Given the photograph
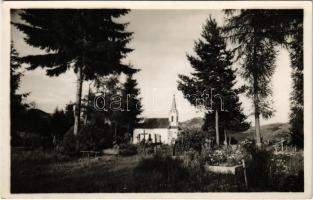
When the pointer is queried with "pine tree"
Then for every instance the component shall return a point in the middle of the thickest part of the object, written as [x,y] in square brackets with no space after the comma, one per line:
[296,54]
[283,28]
[245,28]
[213,70]
[17,105]
[89,40]
[132,103]
[60,123]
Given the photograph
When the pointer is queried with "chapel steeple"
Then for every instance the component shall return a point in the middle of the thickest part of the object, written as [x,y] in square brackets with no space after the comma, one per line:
[173,116]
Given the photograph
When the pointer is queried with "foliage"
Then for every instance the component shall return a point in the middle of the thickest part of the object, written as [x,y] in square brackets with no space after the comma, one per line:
[131,104]
[61,122]
[287,172]
[214,78]
[121,105]
[69,143]
[161,174]
[91,137]
[98,45]
[228,156]
[127,149]
[17,100]
[296,54]
[296,121]
[258,168]
[190,139]
[246,29]
[88,40]
[281,27]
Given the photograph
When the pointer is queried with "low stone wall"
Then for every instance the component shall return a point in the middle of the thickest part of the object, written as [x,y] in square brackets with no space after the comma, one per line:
[224,169]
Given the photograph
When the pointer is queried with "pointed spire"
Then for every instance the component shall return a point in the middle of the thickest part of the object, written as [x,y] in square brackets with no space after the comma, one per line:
[173,103]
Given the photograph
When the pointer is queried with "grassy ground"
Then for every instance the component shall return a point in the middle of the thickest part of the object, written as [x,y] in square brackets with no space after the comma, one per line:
[39,172]
[50,174]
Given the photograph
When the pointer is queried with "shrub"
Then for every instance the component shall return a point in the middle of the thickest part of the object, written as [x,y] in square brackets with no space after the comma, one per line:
[127,149]
[69,143]
[190,139]
[161,174]
[90,138]
[258,168]
[228,155]
[287,172]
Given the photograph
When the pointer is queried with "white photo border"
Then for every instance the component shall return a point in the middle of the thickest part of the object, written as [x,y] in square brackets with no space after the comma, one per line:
[5,103]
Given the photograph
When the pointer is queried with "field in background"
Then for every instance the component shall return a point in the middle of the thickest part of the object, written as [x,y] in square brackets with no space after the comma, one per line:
[272,132]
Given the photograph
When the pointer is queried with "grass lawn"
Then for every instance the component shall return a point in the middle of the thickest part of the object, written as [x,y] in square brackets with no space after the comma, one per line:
[39,172]
[47,174]
[42,172]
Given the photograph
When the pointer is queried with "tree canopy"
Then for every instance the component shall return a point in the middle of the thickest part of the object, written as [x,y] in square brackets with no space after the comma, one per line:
[91,41]
[213,71]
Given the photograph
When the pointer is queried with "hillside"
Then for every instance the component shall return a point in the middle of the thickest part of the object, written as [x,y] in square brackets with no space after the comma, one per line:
[276,131]
[194,123]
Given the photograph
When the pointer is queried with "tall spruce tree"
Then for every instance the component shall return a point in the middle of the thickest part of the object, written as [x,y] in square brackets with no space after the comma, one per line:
[296,54]
[213,71]
[90,41]
[17,105]
[132,103]
[283,28]
[245,28]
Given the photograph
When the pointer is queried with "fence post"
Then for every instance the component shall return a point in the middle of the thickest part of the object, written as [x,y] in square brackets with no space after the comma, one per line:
[245,172]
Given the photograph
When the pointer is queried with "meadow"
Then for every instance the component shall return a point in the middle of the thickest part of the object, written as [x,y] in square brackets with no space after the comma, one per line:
[48,172]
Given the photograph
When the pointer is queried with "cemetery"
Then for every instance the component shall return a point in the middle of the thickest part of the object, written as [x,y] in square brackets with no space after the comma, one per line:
[107,138]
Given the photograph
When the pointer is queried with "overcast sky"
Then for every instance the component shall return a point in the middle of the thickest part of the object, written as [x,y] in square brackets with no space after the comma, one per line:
[161,40]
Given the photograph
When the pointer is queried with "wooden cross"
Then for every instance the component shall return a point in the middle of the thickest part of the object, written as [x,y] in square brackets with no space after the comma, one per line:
[144,135]
[138,138]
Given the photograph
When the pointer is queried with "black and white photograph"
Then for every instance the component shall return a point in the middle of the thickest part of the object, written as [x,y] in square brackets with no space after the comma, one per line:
[126,99]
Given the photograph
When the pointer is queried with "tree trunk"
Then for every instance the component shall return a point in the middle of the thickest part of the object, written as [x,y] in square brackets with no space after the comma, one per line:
[225,137]
[216,129]
[88,101]
[257,115]
[78,100]
[257,130]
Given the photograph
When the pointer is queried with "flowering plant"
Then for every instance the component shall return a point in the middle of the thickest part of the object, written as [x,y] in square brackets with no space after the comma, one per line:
[229,156]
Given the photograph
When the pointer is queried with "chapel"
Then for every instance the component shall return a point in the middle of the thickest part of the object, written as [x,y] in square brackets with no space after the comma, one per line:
[158,130]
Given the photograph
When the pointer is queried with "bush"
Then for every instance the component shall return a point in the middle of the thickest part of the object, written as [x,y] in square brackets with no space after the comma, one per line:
[70,143]
[90,138]
[161,174]
[287,172]
[228,156]
[258,168]
[190,139]
[127,150]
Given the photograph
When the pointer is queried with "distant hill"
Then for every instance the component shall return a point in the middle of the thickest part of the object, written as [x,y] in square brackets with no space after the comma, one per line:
[276,131]
[194,123]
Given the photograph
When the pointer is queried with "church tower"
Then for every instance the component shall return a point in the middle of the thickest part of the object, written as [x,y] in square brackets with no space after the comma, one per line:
[173,117]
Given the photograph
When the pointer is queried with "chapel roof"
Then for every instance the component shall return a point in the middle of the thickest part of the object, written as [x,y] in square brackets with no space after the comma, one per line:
[154,123]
